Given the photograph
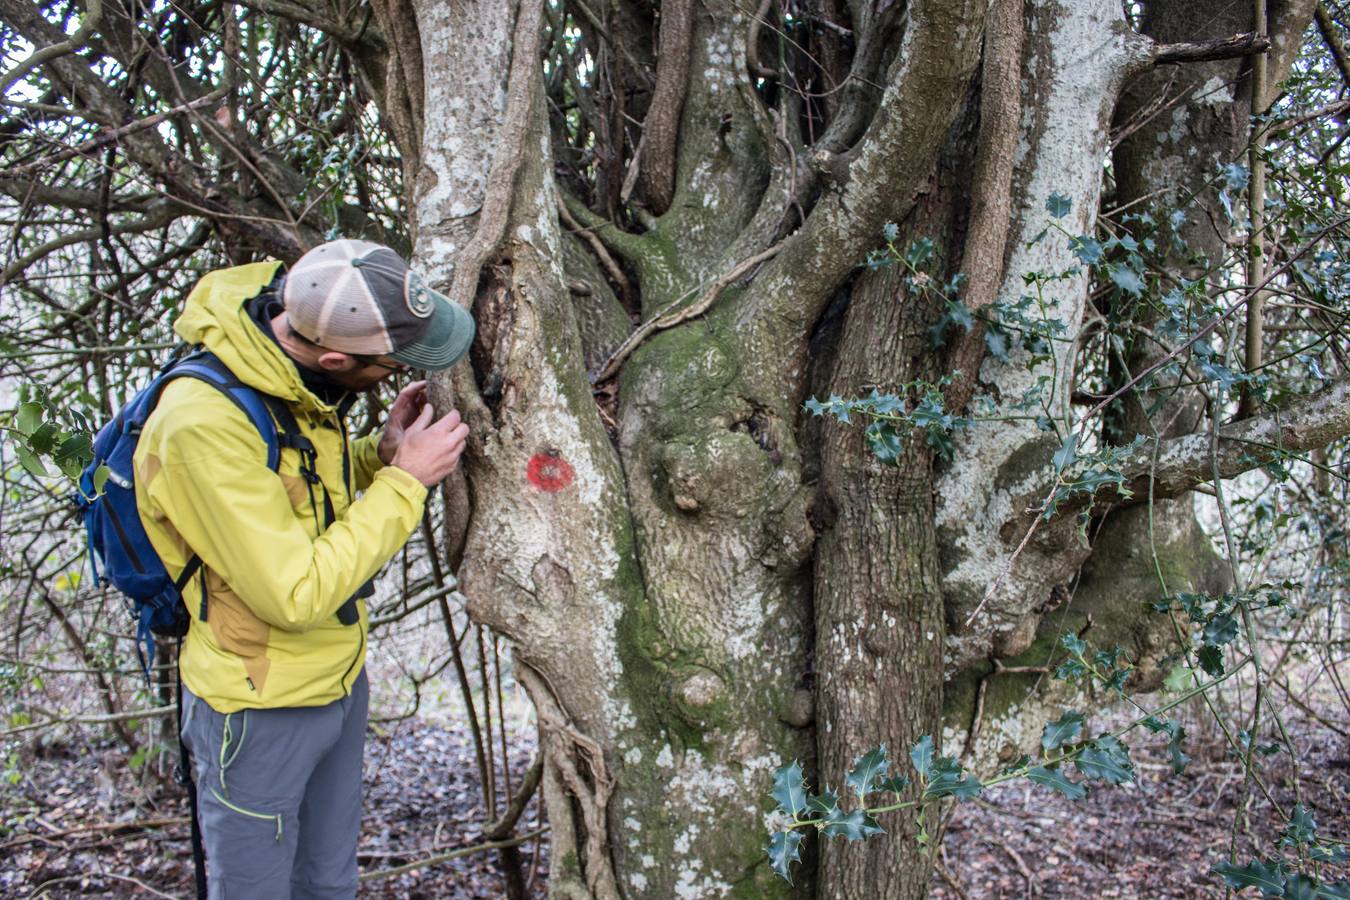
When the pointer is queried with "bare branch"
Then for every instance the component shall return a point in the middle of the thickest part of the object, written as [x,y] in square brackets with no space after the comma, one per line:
[1246,44]
[92,18]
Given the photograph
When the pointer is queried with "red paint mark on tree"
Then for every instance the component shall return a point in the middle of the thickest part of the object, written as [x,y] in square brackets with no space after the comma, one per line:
[548,471]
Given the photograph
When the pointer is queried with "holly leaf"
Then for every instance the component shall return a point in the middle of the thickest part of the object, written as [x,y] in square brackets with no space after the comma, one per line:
[856,826]
[785,849]
[1057,781]
[1067,454]
[1177,733]
[1058,205]
[826,802]
[1220,630]
[1268,879]
[884,443]
[1210,658]
[895,784]
[997,343]
[1127,280]
[1302,827]
[949,780]
[789,788]
[1298,887]
[1106,759]
[867,771]
[28,417]
[1063,731]
[30,461]
[921,754]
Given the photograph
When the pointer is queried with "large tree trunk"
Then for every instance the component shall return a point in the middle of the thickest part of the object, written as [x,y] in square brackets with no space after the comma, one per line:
[652,560]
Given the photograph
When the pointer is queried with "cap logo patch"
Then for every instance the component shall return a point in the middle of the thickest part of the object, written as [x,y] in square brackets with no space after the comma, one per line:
[419,298]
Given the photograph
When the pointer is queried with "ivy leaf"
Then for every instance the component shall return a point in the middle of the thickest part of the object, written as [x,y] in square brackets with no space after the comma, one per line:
[1057,781]
[921,754]
[1266,878]
[1107,759]
[1067,454]
[1302,827]
[785,849]
[789,788]
[1063,731]
[867,771]
[826,802]
[1058,205]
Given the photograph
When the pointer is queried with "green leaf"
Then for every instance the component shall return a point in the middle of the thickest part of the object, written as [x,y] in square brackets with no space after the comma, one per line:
[1127,280]
[921,754]
[896,784]
[1067,454]
[1106,759]
[868,769]
[1221,630]
[43,438]
[856,826]
[29,460]
[1302,827]
[826,802]
[1266,878]
[1178,679]
[886,445]
[785,849]
[1057,781]
[28,417]
[789,788]
[101,478]
[1177,733]
[1063,731]
[1210,658]
[1058,205]
[1298,887]
[949,780]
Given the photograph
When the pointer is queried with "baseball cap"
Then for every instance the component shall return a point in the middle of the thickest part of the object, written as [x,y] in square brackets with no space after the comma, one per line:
[360,297]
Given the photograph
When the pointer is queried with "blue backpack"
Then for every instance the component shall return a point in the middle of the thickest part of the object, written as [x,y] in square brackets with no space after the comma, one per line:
[117,540]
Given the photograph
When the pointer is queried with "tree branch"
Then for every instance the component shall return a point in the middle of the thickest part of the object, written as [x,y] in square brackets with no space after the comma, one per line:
[991,191]
[1245,44]
[1184,463]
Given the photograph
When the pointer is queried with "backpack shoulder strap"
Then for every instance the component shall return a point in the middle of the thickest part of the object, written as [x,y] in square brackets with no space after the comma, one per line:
[206,366]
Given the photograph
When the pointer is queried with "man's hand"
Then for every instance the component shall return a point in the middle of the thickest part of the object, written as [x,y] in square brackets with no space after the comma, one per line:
[407,405]
[429,451]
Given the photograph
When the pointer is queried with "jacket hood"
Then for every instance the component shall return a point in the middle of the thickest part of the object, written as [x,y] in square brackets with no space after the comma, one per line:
[214,317]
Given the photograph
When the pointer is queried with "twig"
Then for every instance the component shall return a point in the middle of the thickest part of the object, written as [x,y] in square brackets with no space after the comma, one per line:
[138,825]
[91,720]
[453,854]
[668,319]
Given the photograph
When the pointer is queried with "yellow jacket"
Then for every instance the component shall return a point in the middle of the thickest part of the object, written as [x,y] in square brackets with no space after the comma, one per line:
[274,577]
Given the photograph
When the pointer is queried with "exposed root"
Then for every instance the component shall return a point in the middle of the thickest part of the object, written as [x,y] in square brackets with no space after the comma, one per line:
[565,747]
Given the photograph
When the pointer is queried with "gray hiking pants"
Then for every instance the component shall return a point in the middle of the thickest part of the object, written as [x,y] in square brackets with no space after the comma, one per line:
[279,796]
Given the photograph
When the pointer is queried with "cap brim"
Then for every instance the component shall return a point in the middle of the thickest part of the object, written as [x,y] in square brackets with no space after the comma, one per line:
[446,339]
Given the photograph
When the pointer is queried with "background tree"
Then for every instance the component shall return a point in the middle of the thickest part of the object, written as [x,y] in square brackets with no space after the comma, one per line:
[662,218]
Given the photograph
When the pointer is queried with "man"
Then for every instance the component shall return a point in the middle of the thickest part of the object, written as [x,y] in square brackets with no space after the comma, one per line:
[275,692]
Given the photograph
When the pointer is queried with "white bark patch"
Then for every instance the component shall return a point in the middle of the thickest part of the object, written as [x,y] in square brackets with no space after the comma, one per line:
[1085,49]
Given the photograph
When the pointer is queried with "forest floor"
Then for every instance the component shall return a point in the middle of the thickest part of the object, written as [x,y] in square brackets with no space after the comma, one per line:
[1154,839]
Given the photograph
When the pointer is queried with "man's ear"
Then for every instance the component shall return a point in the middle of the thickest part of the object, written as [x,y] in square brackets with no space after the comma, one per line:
[333,361]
